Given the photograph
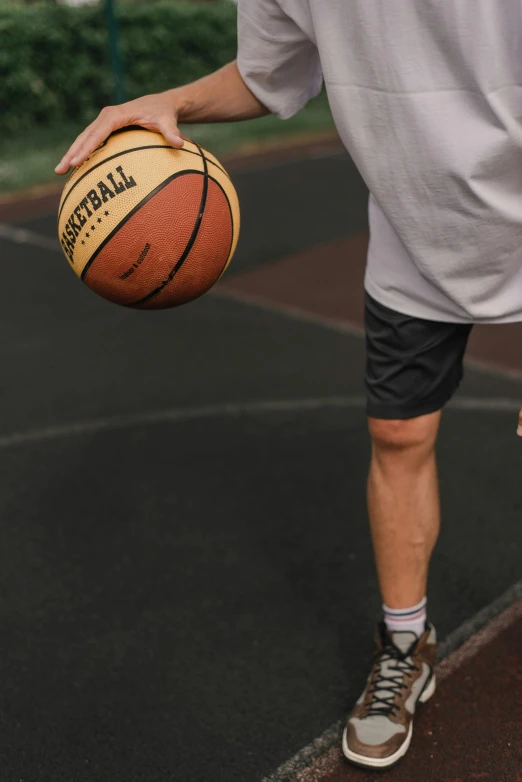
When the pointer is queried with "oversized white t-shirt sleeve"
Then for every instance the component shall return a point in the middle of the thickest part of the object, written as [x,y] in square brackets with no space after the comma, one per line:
[276,59]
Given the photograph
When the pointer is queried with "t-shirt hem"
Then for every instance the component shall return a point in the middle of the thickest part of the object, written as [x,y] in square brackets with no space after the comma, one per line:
[408,306]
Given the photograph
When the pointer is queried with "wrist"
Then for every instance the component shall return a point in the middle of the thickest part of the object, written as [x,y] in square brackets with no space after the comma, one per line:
[180,103]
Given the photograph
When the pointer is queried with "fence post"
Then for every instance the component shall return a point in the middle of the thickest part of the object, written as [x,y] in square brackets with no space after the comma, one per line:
[115,51]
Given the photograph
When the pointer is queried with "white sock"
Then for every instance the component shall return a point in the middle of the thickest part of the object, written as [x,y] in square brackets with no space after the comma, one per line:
[412,619]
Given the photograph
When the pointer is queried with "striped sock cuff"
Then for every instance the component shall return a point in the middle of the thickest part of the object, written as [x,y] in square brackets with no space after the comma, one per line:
[403,616]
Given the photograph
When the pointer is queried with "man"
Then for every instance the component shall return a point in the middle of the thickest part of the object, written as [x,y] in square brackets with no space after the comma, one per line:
[427,97]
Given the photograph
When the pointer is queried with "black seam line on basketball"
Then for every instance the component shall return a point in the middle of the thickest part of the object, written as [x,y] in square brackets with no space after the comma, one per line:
[140,127]
[128,152]
[191,152]
[231,240]
[190,242]
[128,127]
[134,304]
[132,212]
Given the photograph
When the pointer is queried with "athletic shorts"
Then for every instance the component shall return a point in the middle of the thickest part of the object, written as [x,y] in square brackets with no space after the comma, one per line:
[413,366]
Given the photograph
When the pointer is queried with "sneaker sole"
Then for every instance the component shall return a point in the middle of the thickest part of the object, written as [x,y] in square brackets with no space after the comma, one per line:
[366,762]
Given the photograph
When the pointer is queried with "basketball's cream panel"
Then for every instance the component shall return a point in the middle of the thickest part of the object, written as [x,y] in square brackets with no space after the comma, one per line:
[117,144]
[231,194]
[95,202]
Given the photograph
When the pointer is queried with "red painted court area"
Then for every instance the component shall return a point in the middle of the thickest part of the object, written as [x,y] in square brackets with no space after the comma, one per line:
[470,729]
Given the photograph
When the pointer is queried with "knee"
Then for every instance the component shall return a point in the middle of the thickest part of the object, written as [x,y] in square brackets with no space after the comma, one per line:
[411,434]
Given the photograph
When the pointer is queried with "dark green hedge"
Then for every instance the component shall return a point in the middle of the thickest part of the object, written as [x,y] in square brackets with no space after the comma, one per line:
[55,63]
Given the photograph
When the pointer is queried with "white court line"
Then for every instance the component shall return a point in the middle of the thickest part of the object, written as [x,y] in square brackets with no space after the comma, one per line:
[322,756]
[174,414]
[22,236]
[484,405]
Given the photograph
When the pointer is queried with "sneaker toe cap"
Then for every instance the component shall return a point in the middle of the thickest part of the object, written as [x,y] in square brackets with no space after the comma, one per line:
[374,737]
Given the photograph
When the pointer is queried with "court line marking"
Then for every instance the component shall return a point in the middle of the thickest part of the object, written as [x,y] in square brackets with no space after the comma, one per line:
[322,756]
[227,410]
[24,236]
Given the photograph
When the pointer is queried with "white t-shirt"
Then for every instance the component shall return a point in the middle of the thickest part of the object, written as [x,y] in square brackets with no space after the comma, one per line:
[427,98]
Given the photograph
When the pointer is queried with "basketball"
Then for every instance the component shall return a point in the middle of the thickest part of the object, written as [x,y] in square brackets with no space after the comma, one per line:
[146,225]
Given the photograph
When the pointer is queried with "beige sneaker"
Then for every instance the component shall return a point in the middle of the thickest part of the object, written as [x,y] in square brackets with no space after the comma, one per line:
[378,731]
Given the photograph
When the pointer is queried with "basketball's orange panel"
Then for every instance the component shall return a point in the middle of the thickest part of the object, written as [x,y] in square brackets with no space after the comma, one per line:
[141,255]
[207,257]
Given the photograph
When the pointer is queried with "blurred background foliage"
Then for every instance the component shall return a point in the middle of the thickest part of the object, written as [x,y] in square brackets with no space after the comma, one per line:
[57,63]
[56,73]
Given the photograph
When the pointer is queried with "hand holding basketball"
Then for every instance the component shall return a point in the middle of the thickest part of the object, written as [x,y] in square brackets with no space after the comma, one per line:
[145,224]
[153,112]
[147,218]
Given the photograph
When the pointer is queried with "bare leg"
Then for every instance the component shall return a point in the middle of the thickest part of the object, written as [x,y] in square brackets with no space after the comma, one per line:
[403,505]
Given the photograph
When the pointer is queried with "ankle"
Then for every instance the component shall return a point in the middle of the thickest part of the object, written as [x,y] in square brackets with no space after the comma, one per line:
[410,618]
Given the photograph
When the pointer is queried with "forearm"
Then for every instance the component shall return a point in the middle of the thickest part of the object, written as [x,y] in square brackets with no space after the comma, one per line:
[221,96]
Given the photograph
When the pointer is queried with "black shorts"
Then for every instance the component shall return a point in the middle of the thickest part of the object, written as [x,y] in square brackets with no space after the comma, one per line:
[413,366]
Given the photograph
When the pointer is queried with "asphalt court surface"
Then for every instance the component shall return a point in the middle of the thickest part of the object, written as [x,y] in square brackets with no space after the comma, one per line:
[194,597]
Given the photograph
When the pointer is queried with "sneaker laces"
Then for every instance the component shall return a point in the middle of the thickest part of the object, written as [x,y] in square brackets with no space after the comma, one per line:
[393,666]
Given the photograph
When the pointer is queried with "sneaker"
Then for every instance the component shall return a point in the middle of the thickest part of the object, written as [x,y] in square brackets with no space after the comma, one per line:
[378,731]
